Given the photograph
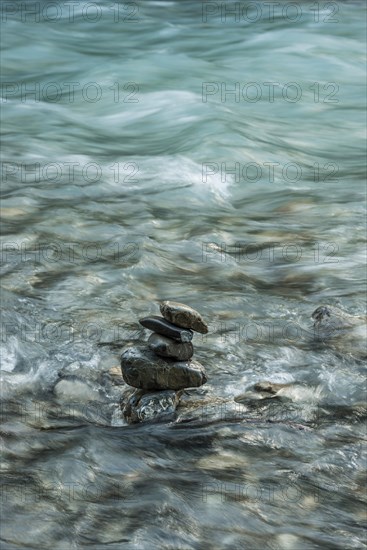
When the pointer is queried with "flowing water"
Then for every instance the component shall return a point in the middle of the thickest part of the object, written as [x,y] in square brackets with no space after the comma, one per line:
[210,153]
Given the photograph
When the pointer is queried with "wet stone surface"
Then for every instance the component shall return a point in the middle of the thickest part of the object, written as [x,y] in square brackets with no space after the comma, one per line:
[166,347]
[158,406]
[141,368]
[183,316]
[164,327]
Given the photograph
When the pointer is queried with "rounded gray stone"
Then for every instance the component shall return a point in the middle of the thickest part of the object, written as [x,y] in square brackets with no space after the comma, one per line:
[141,368]
[183,316]
[166,347]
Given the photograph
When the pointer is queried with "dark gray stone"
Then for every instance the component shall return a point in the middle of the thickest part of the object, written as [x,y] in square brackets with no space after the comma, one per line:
[166,347]
[183,316]
[141,368]
[164,327]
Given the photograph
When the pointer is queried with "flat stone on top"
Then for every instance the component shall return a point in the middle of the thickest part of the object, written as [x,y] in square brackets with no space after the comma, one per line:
[183,316]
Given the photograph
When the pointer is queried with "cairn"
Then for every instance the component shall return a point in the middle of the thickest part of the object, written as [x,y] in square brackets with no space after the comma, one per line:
[162,369]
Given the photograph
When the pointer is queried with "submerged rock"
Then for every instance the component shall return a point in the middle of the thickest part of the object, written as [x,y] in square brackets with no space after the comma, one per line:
[330,321]
[166,347]
[183,316]
[271,387]
[145,406]
[340,330]
[164,327]
[141,368]
[115,376]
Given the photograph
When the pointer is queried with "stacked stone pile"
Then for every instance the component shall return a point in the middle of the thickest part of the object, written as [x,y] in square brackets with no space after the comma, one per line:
[166,362]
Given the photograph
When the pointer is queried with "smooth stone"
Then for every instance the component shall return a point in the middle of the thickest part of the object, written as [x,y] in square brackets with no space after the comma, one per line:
[162,326]
[166,347]
[141,368]
[183,316]
[143,406]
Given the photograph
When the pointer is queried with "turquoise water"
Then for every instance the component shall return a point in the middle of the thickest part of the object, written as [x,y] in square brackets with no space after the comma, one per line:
[181,150]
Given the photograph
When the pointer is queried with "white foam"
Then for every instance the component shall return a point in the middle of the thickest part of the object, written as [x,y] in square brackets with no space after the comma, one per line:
[76,390]
[9,356]
[184,171]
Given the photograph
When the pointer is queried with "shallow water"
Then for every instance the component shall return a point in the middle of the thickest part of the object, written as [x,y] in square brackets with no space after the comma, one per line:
[132,174]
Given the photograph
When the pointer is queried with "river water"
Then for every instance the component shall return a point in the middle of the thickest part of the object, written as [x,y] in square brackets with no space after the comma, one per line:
[210,153]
